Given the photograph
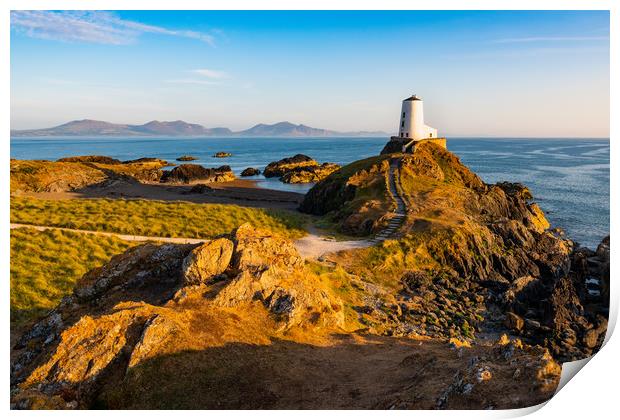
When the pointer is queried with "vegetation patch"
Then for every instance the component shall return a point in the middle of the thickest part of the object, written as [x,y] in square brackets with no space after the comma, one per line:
[46,265]
[152,218]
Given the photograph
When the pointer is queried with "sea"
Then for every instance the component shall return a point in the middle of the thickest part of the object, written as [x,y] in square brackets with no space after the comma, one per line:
[569,178]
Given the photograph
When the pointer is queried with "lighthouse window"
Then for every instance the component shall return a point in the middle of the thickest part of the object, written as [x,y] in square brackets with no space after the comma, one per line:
[403,115]
[406,134]
[431,134]
[402,123]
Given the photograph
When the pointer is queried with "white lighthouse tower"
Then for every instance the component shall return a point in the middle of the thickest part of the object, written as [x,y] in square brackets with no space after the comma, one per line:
[411,125]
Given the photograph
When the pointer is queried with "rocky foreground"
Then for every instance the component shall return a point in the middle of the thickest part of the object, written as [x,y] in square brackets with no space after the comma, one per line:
[472,305]
[243,322]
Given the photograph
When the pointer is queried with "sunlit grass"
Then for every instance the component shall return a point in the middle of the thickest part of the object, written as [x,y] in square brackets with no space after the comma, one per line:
[46,265]
[152,218]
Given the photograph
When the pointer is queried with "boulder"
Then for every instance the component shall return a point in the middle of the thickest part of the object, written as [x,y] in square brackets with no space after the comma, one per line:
[260,249]
[280,167]
[222,155]
[199,189]
[307,174]
[250,172]
[207,260]
[147,160]
[186,158]
[299,169]
[189,173]
[514,321]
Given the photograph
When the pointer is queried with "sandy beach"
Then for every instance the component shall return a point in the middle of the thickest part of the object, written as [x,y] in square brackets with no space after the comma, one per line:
[241,192]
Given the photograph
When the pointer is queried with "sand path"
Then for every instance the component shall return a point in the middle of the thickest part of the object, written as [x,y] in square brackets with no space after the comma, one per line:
[133,238]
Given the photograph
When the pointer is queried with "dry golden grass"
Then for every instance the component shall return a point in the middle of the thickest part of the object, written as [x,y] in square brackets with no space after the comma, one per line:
[152,218]
[46,265]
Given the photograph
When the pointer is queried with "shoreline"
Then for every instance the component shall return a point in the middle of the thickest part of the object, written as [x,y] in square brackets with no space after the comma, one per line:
[241,192]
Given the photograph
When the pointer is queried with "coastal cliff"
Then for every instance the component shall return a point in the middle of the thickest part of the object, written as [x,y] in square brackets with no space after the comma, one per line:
[490,240]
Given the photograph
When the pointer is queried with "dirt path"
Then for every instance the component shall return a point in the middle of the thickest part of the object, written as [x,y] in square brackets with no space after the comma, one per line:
[314,245]
[133,238]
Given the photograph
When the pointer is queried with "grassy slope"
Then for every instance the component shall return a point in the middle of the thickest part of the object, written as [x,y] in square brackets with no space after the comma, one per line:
[152,218]
[38,175]
[46,265]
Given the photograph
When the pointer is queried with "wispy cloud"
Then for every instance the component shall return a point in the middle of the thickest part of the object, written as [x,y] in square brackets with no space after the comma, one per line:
[211,74]
[91,26]
[193,82]
[550,39]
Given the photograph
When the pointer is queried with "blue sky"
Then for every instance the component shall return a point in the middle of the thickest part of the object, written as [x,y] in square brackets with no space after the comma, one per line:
[510,73]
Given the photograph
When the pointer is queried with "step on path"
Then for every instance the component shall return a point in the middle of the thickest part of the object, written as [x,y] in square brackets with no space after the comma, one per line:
[401,209]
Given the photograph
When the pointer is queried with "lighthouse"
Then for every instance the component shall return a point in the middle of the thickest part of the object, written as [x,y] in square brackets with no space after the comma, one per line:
[411,125]
[411,129]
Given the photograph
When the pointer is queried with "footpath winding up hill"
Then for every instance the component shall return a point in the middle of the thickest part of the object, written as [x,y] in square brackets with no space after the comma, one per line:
[420,320]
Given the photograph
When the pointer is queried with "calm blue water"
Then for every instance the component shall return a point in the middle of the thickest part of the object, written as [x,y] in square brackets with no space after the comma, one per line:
[569,178]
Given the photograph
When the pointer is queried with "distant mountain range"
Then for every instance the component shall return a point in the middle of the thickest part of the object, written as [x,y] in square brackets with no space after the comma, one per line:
[182,128]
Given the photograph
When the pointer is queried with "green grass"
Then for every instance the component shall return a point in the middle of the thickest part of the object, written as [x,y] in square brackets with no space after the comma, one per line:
[153,218]
[46,265]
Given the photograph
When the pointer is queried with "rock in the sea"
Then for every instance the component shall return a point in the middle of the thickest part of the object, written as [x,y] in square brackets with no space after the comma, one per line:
[189,173]
[280,167]
[306,174]
[91,159]
[147,160]
[207,260]
[299,169]
[186,158]
[222,155]
[250,172]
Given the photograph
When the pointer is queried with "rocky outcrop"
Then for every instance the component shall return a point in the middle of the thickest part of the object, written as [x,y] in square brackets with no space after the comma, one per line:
[494,246]
[356,197]
[190,173]
[206,261]
[307,174]
[148,160]
[299,169]
[186,158]
[250,172]
[155,297]
[280,167]
[91,159]
[72,174]
[222,155]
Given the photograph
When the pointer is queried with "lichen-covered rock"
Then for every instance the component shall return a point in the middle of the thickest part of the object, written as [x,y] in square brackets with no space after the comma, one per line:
[299,169]
[258,249]
[307,174]
[280,167]
[207,260]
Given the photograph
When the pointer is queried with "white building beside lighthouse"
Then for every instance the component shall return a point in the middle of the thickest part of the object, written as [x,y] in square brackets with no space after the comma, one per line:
[411,124]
